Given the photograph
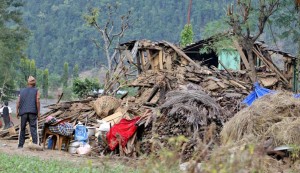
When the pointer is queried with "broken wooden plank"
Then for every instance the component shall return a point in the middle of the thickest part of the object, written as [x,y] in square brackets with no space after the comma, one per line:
[160,60]
[169,62]
[150,59]
[153,93]
[226,69]
[243,57]
[181,53]
[271,66]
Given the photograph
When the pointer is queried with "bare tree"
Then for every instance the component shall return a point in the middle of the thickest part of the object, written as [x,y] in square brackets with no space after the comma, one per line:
[111,29]
[239,20]
[105,21]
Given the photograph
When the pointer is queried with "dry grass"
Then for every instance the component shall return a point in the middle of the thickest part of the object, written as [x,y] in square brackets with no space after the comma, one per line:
[197,106]
[275,116]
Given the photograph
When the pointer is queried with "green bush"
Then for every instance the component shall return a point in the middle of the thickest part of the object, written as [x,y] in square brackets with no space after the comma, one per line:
[83,88]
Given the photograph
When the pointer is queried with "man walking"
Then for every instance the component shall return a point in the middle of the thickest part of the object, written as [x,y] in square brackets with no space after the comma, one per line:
[28,108]
[6,114]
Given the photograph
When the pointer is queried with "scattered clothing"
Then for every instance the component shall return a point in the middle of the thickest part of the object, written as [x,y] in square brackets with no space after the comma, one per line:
[65,129]
[125,129]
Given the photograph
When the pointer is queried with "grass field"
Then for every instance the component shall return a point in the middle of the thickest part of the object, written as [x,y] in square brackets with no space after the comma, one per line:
[23,164]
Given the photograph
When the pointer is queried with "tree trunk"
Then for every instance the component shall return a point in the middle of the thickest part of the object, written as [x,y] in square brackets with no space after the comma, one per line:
[252,65]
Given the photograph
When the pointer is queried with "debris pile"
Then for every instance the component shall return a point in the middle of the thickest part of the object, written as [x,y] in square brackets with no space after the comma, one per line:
[227,90]
[83,111]
[188,101]
[186,113]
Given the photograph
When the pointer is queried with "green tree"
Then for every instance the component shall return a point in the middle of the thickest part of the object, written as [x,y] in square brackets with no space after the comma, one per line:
[45,83]
[12,42]
[54,81]
[187,35]
[65,76]
[26,67]
[247,21]
[32,68]
[76,71]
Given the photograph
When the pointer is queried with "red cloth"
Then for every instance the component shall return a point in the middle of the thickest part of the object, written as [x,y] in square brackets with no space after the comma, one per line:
[125,129]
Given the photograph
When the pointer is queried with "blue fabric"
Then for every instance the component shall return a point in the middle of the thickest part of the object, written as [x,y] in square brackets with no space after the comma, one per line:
[257,93]
[81,133]
[297,96]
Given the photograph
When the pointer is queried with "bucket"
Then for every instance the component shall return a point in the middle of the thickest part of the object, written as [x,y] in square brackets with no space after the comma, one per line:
[91,131]
[50,143]
[73,146]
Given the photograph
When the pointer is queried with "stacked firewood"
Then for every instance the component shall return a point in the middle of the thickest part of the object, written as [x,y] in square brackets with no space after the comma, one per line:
[76,110]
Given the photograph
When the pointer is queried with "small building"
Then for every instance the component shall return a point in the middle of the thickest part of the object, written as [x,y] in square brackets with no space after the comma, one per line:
[274,67]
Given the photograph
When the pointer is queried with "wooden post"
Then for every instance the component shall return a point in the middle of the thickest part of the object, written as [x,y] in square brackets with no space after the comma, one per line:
[160,60]
[243,56]
[271,66]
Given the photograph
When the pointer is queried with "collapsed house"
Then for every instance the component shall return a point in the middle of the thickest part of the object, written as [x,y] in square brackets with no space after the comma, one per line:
[275,69]
[164,68]
[179,93]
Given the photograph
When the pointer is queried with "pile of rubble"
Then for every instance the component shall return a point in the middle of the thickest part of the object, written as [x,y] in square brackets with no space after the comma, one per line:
[76,110]
[188,101]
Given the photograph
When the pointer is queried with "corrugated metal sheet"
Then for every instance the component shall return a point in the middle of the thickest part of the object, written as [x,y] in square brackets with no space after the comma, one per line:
[230,58]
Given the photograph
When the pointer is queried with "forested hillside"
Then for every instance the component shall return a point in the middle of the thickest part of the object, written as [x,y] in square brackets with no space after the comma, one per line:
[59,32]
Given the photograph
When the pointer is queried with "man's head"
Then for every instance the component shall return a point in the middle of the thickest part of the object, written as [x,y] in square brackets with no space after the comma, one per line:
[6,103]
[31,81]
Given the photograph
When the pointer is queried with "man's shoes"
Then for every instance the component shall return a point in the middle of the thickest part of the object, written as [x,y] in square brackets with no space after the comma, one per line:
[20,147]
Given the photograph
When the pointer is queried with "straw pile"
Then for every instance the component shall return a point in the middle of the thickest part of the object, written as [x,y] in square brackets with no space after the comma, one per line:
[275,117]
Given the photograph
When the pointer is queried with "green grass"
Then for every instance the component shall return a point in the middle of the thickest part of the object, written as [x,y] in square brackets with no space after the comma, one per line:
[25,164]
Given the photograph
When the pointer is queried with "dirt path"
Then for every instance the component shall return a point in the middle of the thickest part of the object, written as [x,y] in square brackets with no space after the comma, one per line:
[10,147]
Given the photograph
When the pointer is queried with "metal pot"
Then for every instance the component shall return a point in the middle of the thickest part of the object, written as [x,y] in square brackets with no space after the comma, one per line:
[73,147]
[91,131]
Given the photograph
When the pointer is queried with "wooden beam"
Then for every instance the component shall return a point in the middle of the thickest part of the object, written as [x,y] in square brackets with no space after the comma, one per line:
[138,61]
[153,93]
[150,59]
[243,56]
[160,60]
[143,61]
[181,53]
[226,69]
[271,66]
[169,62]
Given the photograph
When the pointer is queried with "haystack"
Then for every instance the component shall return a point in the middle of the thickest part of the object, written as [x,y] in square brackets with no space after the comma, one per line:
[106,105]
[275,116]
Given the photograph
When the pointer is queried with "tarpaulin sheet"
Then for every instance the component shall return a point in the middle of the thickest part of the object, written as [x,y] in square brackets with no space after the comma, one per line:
[125,129]
[257,93]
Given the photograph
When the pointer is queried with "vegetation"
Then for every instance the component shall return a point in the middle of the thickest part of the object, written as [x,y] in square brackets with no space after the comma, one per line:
[45,83]
[65,76]
[84,87]
[60,33]
[12,41]
[187,35]
[76,71]
[32,164]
